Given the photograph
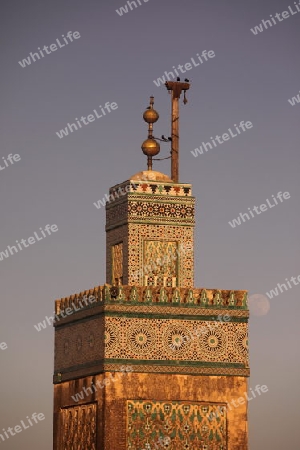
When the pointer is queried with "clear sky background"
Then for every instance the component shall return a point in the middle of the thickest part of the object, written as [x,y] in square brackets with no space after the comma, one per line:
[57,180]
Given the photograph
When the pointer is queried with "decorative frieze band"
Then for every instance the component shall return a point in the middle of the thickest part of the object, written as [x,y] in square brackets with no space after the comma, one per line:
[151,187]
[150,295]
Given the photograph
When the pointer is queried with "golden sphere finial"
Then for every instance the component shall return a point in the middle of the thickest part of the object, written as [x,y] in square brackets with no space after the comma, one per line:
[150,116]
[150,147]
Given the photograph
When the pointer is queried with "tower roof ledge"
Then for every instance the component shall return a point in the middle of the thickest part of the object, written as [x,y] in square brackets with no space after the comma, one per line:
[151,175]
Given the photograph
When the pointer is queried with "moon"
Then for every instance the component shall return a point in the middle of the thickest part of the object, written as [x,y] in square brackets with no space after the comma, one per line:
[259,304]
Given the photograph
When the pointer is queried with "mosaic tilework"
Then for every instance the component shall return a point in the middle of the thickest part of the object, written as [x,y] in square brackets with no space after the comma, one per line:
[134,235]
[166,189]
[160,263]
[154,327]
[116,214]
[158,210]
[175,340]
[78,425]
[153,342]
[177,425]
[150,209]
[152,187]
[117,260]
[114,237]
[218,370]
[139,233]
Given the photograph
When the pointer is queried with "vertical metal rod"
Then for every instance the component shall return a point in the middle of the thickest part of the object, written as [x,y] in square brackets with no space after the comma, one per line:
[175,87]
[175,139]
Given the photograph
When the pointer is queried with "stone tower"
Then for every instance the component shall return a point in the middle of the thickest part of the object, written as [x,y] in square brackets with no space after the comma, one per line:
[148,361]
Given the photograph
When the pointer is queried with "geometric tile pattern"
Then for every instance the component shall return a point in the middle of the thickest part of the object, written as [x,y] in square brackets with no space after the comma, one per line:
[150,209]
[175,340]
[158,208]
[159,344]
[160,263]
[139,233]
[176,425]
[78,426]
[153,187]
[117,260]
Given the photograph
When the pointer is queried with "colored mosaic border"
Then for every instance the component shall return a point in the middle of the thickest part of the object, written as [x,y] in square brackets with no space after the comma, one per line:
[150,209]
[152,187]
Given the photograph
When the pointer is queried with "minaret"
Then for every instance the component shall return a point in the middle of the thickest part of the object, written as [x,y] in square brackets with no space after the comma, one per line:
[147,360]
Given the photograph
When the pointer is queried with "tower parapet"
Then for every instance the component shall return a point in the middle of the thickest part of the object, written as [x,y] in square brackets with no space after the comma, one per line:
[133,295]
[191,331]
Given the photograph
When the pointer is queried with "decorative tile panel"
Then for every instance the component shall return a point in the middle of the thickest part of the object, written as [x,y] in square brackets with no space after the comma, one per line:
[160,263]
[176,425]
[117,261]
[139,233]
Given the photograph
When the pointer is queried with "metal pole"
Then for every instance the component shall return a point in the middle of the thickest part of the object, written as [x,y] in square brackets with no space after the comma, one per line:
[176,87]
[175,139]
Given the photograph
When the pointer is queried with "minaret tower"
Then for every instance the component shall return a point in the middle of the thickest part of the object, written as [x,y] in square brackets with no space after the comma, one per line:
[148,361]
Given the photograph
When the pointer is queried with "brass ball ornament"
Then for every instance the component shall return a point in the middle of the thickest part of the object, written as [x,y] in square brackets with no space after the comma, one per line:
[150,116]
[150,147]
